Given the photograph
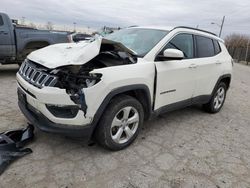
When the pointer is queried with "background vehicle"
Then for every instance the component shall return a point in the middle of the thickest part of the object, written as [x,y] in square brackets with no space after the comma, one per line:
[76,37]
[108,87]
[17,42]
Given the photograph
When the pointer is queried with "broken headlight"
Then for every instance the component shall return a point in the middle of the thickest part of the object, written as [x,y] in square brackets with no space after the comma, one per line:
[75,81]
[94,79]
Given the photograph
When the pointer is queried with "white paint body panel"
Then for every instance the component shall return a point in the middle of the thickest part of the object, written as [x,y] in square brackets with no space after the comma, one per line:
[175,82]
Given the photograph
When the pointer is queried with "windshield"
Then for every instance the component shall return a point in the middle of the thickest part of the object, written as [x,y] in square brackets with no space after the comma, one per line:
[139,40]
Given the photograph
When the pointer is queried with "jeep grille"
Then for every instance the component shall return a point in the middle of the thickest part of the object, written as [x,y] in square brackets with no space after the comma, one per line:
[36,74]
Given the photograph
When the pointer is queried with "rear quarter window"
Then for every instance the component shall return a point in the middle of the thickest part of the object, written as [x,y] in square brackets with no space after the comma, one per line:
[204,46]
[1,20]
[217,48]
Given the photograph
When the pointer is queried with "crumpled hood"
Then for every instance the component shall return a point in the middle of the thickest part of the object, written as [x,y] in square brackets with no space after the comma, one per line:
[72,53]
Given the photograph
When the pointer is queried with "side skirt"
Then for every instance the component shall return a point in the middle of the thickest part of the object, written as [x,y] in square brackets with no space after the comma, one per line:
[203,99]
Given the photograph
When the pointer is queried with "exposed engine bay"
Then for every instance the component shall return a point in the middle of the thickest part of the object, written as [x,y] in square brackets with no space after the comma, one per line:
[73,78]
[78,76]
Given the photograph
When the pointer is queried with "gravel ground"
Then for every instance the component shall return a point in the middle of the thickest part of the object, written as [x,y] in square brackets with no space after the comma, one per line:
[185,148]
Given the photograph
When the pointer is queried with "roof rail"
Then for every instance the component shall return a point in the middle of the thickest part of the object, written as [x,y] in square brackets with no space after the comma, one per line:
[133,26]
[185,27]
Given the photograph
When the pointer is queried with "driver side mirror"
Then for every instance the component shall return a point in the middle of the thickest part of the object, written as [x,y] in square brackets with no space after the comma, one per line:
[173,54]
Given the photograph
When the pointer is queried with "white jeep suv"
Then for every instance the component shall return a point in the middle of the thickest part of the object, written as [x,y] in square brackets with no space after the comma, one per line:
[105,88]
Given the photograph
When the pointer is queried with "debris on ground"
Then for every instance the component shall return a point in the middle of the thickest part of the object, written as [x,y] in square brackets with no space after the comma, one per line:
[11,145]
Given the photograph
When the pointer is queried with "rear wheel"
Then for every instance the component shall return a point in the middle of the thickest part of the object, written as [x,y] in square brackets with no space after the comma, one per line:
[217,100]
[120,123]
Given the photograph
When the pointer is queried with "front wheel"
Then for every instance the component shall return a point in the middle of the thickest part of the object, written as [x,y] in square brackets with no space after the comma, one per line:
[217,100]
[120,123]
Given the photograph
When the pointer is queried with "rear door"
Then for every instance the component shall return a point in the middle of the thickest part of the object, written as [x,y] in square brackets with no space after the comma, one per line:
[209,65]
[175,79]
[6,38]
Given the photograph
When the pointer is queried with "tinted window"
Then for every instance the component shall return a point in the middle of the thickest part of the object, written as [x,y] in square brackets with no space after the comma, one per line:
[1,20]
[183,42]
[216,47]
[205,47]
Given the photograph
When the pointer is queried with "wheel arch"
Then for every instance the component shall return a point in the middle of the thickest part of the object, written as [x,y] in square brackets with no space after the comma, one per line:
[139,91]
[31,46]
[35,44]
[226,78]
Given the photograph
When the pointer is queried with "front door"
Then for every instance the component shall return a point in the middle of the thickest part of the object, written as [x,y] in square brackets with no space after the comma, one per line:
[175,80]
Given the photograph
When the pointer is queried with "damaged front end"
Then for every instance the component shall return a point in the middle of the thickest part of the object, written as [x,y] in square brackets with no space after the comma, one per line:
[77,74]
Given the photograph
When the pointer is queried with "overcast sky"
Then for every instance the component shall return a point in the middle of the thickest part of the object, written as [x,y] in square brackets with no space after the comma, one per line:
[97,13]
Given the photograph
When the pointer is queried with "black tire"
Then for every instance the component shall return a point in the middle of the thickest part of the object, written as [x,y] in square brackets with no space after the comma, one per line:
[210,106]
[103,131]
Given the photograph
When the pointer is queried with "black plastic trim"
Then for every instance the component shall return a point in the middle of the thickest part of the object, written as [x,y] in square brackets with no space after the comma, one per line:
[182,104]
[215,41]
[40,121]
[202,99]
[67,111]
[121,90]
[185,27]
[169,91]
[219,80]
[172,107]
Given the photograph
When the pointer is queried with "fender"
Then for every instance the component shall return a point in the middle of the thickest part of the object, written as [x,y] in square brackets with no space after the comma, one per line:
[24,42]
[219,80]
[121,90]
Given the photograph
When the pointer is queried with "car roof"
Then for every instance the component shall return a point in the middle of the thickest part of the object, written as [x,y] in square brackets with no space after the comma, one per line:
[184,29]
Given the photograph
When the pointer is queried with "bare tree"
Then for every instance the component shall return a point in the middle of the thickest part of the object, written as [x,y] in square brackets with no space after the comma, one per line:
[237,46]
[49,26]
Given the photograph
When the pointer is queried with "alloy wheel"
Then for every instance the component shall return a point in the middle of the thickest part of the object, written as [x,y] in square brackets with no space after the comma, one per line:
[124,125]
[219,98]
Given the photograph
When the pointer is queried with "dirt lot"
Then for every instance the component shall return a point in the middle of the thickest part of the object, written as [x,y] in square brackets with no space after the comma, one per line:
[186,148]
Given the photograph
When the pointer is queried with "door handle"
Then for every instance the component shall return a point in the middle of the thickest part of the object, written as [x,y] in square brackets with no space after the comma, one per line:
[192,66]
[218,62]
